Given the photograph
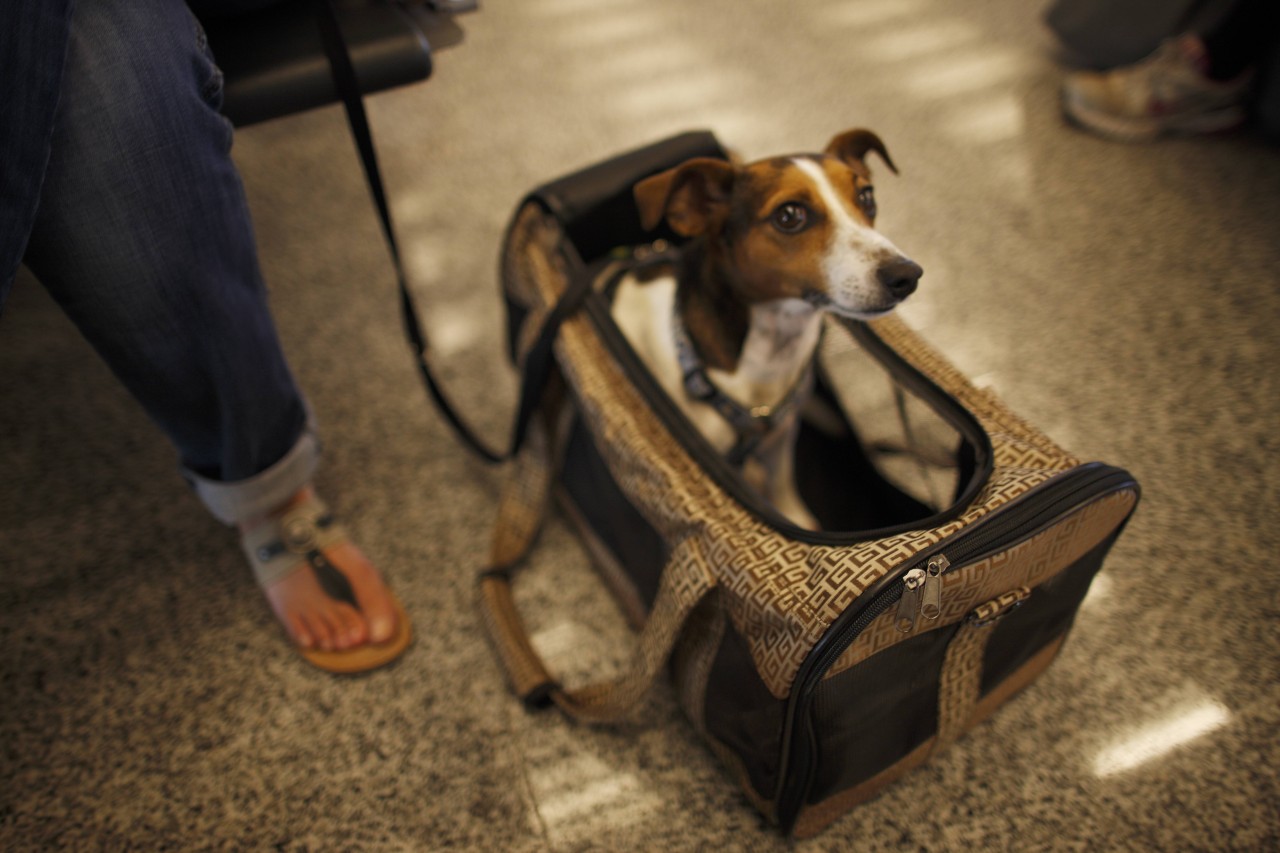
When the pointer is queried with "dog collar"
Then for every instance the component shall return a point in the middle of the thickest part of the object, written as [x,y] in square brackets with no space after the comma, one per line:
[751,423]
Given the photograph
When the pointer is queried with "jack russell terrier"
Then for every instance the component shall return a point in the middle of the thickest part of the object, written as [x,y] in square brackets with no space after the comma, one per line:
[731,336]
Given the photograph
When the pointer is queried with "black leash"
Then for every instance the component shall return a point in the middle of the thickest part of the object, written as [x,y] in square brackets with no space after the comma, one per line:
[540,358]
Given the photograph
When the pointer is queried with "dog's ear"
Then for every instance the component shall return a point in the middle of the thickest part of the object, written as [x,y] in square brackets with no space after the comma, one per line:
[854,144]
[691,196]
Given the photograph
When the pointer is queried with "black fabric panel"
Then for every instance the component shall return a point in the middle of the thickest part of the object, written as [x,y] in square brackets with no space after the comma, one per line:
[1047,615]
[872,715]
[624,531]
[742,714]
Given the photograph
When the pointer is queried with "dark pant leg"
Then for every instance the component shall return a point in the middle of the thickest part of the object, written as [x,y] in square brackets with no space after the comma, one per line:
[1239,41]
[143,236]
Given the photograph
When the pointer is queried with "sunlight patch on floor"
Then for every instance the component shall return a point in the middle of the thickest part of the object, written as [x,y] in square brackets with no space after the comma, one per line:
[624,27]
[568,8]
[580,796]
[700,92]
[913,42]
[455,328]
[995,119]
[867,13]
[972,71]
[671,60]
[1160,737]
[1099,590]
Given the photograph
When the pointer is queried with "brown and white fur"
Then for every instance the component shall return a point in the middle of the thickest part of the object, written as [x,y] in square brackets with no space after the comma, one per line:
[773,244]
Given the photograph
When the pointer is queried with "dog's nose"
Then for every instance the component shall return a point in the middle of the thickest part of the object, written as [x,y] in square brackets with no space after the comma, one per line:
[900,276]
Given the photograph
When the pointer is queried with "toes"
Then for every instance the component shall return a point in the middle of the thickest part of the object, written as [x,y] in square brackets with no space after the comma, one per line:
[382,624]
[313,620]
[344,627]
[350,627]
[297,630]
[324,631]
[297,623]
[376,607]
[290,599]
[382,628]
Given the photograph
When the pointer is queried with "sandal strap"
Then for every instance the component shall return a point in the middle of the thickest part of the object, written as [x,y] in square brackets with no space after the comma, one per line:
[281,545]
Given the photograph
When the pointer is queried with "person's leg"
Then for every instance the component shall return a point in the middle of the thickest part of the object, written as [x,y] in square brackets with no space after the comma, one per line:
[1166,93]
[1195,83]
[1237,43]
[33,43]
[143,236]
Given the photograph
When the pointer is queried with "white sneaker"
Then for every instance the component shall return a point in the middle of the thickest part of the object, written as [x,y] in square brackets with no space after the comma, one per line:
[1167,92]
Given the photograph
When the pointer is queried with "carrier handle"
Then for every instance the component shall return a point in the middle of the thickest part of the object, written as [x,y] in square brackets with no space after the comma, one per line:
[604,701]
[685,582]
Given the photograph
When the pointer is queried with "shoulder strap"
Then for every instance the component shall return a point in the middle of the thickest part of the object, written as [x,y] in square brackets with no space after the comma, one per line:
[538,362]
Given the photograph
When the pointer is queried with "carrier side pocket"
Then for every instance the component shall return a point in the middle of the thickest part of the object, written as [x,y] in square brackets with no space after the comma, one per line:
[961,679]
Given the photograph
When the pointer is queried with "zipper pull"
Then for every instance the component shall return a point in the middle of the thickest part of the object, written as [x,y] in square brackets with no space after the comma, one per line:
[922,593]
[931,604]
[909,606]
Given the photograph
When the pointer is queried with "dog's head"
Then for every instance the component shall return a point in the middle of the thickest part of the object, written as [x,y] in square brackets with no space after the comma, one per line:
[798,227]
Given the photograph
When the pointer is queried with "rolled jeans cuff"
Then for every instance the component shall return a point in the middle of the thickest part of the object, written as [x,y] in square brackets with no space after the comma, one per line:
[258,495]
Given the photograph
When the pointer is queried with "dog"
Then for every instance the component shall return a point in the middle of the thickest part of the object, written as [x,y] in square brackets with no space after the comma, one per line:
[731,334]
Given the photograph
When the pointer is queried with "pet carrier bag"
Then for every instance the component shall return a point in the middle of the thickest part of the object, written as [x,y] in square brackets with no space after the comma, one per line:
[956,543]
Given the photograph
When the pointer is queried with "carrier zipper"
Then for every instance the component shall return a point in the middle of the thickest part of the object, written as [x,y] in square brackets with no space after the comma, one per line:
[1031,513]
[1000,531]
[912,597]
[922,593]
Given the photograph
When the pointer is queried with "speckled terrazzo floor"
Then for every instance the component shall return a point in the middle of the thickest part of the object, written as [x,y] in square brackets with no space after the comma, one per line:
[147,699]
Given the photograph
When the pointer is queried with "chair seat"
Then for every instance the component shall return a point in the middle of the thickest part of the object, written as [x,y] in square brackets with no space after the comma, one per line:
[275,65]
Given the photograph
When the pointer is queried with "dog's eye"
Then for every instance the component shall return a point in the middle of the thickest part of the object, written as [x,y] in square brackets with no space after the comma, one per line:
[791,218]
[867,201]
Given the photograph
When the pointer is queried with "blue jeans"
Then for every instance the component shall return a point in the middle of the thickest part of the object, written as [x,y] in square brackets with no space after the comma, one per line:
[142,235]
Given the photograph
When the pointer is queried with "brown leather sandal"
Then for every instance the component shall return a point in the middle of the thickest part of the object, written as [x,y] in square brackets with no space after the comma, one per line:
[295,540]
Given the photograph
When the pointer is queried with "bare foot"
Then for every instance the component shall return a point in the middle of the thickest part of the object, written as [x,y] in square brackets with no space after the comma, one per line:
[312,618]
